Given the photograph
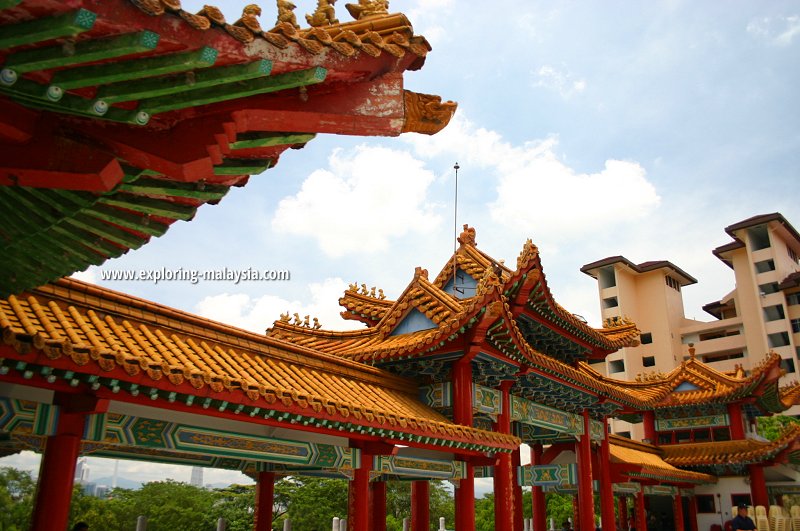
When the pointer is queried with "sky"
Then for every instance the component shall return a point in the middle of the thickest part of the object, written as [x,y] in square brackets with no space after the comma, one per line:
[594,128]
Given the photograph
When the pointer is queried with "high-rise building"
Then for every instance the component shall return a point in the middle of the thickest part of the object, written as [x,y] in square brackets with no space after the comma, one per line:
[82,471]
[197,476]
[761,313]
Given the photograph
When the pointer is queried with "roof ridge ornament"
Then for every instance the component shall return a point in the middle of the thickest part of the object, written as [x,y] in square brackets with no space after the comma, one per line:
[368,8]
[467,236]
[528,253]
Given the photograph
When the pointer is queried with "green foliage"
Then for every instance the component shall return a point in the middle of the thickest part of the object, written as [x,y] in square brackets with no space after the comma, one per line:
[484,513]
[16,499]
[772,427]
[311,503]
[559,507]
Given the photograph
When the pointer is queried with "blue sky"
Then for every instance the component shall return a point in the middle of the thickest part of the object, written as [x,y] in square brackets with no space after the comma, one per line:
[593,128]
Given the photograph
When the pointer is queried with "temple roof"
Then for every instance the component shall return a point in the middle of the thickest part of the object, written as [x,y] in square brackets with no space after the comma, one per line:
[77,331]
[640,461]
[784,449]
[695,383]
[120,117]
[522,294]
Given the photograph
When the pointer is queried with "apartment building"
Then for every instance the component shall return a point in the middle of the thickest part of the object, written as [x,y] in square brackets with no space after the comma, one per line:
[760,314]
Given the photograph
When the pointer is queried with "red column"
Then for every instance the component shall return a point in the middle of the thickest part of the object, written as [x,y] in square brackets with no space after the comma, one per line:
[606,487]
[420,506]
[576,513]
[358,517]
[641,515]
[519,523]
[649,421]
[462,414]
[622,507]
[585,478]
[265,498]
[537,494]
[693,513]
[678,510]
[378,494]
[736,422]
[758,486]
[503,479]
[57,473]
[465,501]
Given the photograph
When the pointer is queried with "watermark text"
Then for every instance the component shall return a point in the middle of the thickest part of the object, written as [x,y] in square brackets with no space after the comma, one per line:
[194,276]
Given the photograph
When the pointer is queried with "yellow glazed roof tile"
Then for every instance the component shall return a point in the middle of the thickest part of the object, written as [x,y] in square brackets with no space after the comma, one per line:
[63,321]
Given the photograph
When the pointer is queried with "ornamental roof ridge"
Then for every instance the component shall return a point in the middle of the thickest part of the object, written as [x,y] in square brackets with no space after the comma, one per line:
[371,34]
[364,305]
[790,394]
[741,451]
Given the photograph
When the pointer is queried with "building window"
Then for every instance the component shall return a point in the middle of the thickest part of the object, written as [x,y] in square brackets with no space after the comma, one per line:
[611,302]
[625,434]
[769,287]
[779,339]
[616,366]
[774,313]
[759,237]
[711,358]
[796,326]
[646,338]
[607,278]
[793,299]
[787,365]
[705,503]
[702,435]
[674,284]
[765,265]
[721,434]
[797,352]
[648,361]
[665,438]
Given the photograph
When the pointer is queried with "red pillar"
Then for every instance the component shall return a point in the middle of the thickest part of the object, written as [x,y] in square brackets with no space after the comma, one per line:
[606,487]
[678,510]
[519,517]
[358,503]
[736,422]
[465,501]
[503,477]
[462,414]
[57,473]
[420,506]
[622,507]
[641,515]
[693,513]
[576,513]
[265,498]
[758,486]
[649,421]
[378,494]
[537,494]
[585,478]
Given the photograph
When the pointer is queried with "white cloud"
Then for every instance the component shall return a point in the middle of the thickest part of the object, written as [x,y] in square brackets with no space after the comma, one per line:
[561,81]
[89,275]
[536,190]
[778,31]
[366,197]
[258,314]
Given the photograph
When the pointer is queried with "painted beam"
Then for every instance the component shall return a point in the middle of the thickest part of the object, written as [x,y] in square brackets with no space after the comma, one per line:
[162,187]
[205,96]
[242,167]
[146,205]
[83,52]
[45,29]
[194,80]
[128,220]
[5,4]
[262,140]
[87,76]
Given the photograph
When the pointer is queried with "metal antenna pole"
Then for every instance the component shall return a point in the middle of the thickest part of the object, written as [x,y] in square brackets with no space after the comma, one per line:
[455,228]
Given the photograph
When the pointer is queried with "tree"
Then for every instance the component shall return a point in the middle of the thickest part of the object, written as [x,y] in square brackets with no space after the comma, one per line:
[16,499]
[236,504]
[772,427]
[311,502]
